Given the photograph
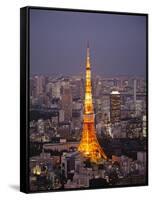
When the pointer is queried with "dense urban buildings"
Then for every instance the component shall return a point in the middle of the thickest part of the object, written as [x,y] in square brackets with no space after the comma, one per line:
[57,124]
[88,110]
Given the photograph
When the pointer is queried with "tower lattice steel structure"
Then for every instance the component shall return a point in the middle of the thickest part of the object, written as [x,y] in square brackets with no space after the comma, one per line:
[89,146]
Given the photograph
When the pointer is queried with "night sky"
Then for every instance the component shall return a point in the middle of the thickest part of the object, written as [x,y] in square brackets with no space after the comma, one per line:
[58,41]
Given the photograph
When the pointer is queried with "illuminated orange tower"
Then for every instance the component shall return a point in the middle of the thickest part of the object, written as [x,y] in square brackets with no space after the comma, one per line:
[89,145]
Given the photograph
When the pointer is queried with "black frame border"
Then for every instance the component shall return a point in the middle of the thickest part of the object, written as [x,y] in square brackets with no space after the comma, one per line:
[24,94]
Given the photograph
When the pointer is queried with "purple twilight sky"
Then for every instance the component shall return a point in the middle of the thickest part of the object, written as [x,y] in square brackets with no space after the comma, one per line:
[58,41]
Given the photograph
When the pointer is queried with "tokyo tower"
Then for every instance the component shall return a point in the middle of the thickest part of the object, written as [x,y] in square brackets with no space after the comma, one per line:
[89,146]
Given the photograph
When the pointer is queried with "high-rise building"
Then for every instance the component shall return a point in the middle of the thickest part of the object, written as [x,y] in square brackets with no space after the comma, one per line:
[32,87]
[89,146]
[40,81]
[115,107]
[56,90]
[67,102]
[77,88]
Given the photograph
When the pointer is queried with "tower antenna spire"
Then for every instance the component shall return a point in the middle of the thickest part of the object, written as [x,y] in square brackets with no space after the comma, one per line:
[88,49]
[88,56]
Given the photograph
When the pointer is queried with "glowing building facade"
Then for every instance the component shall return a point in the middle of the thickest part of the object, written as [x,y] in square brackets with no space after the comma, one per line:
[115,107]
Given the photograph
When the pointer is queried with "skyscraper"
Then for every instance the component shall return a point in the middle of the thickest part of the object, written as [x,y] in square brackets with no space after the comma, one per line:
[56,90]
[40,80]
[115,107]
[67,102]
[89,146]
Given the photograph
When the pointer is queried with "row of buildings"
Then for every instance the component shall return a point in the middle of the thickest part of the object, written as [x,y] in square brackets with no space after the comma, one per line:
[71,171]
[56,116]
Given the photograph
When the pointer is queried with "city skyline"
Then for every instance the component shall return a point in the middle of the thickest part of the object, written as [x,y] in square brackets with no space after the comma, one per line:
[57,40]
[86,132]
